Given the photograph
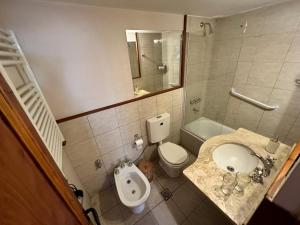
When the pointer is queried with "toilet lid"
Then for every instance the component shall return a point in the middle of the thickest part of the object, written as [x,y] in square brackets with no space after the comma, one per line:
[173,153]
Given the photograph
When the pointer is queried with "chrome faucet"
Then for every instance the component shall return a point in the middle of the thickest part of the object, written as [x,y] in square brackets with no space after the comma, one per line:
[257,175]
[268,163]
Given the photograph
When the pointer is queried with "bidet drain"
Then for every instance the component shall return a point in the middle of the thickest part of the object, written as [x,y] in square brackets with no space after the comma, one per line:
[128,181]
[230,168]
[133,192]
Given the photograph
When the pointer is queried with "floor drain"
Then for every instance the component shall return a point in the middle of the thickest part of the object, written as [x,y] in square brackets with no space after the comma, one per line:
[166,194]
[128,181]
[133,192]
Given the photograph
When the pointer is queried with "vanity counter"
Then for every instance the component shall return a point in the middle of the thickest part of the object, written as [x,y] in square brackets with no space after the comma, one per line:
[207,176]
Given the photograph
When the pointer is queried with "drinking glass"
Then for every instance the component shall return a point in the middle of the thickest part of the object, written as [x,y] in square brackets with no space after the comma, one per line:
[228,183]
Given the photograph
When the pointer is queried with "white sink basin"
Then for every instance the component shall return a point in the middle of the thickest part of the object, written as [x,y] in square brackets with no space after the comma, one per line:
[235,158]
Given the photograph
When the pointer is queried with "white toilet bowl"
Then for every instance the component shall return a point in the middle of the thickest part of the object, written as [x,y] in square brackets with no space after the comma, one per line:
[172,158]
[133,187]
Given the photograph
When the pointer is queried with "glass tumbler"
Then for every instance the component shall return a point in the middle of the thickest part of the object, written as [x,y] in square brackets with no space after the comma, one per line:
[243,180]
[228,184]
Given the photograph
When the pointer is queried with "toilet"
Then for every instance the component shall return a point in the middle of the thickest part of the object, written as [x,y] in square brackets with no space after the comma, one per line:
[132,186]
[172,157]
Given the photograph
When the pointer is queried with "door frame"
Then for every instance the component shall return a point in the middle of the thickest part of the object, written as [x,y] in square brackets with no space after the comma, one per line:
[24,130]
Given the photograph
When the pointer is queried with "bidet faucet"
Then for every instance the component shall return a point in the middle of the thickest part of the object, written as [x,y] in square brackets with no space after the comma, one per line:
[268,163]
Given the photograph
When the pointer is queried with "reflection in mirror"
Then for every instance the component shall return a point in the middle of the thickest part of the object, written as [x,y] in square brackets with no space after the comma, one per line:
[154,60]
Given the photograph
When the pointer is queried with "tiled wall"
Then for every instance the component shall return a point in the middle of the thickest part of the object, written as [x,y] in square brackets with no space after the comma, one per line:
[268,62]
[199,54]
[150,56]
[73,178]
[171,47]
[108,135]
[257,53]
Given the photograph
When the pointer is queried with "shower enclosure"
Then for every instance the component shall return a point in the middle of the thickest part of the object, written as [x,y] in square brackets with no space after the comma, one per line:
[233,81]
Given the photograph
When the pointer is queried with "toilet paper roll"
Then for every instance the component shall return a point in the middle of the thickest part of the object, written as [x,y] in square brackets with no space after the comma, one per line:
[139,143]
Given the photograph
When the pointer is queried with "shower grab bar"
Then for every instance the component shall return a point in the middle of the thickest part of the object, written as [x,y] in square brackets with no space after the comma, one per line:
[253,101]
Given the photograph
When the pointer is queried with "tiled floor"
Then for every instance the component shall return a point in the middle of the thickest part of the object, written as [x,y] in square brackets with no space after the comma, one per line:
[187,206]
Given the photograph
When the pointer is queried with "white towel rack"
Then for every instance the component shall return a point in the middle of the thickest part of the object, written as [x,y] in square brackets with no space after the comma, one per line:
[29,94]
[253,101]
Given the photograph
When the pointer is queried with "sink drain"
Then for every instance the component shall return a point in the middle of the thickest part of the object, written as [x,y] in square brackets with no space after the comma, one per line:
[128,181]
[133,192]
[230,168]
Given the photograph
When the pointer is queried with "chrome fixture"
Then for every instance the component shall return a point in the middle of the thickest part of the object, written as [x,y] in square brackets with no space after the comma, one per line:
[257,175]
[160,67]
[117,171]
[253,101]
[129,163]
[195,110]
[203,25]
[195,101]
[98,164]
[267,162]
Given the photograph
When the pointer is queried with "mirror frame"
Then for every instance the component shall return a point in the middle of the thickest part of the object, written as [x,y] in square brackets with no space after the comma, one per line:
[182,74]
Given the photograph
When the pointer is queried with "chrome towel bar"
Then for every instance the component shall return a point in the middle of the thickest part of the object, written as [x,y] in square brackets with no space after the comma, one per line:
[253,101]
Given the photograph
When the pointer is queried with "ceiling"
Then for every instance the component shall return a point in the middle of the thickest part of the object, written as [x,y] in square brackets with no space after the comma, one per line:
[208,8]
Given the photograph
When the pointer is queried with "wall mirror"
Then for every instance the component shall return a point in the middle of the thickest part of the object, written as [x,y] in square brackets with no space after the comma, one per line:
[155,60]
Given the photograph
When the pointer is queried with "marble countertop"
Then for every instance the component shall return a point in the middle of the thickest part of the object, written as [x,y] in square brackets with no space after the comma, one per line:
[207,176]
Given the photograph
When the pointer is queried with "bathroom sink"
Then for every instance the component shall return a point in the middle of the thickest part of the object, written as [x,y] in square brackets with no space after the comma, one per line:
[141,92]
[235,158]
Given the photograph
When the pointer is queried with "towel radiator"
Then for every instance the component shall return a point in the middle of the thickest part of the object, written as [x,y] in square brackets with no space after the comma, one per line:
[19,76]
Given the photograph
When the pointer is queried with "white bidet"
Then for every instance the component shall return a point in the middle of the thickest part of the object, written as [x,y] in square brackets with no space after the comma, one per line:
[132,185]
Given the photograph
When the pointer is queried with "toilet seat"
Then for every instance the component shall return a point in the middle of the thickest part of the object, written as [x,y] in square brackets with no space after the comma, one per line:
[173,154]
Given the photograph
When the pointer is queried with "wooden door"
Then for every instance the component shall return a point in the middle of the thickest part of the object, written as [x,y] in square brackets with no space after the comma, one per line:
[33,191]
[26,196]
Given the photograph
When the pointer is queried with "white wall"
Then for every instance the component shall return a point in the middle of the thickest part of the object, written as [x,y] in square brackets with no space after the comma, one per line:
[79,53]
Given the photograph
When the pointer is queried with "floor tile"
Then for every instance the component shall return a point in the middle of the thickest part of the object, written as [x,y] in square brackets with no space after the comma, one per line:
[167,213]
[186,198]
[112,217]
[171,183]
[129,217]
[149,219]
[105,200]
[155,197]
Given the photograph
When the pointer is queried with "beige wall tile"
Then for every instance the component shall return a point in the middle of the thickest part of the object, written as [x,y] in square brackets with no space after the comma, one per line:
[94,184]
[89,169]
[103,121]
[127,113]
[294,51]
[273,47]
[128,131]
[264,74]
[294,133]
[112,159]
[177,97]
[109,141]
[76,130]
[164,101]
[288,74]
[147,107]
[82,152]
[242,72]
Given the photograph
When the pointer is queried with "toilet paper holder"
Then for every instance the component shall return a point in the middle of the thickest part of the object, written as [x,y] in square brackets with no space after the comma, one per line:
[138,141]
[136,137]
